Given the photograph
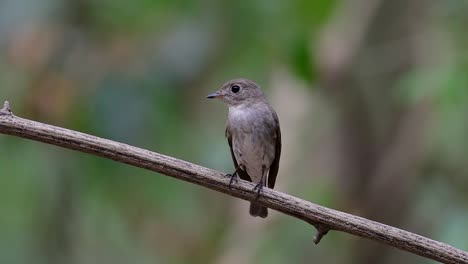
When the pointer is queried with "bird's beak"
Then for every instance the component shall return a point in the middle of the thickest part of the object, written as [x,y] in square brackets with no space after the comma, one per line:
[214,95]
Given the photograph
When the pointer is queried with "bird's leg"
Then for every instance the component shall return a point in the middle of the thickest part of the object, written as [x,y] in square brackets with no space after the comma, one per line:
[234,177]
[259,187]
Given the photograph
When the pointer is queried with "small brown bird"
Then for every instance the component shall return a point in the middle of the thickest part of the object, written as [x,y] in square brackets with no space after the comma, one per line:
[254,136]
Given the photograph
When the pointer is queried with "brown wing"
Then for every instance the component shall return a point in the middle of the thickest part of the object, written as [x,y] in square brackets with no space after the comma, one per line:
[242,174]
[275,165]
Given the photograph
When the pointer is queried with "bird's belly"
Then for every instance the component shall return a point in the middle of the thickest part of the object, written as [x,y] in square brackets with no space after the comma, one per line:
[253,155]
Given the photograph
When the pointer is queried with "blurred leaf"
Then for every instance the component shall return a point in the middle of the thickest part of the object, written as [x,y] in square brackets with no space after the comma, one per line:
[303,63]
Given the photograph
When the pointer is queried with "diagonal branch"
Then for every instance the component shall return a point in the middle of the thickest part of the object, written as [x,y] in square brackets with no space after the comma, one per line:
[324,219]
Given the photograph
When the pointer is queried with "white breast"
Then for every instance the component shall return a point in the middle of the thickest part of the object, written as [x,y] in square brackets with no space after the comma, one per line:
[239,113]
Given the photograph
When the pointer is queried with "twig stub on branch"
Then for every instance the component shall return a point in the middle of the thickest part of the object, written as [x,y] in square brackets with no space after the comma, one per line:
[6,110]
[322,230]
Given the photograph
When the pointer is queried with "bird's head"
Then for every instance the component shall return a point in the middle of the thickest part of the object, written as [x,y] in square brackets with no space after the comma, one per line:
[239,91]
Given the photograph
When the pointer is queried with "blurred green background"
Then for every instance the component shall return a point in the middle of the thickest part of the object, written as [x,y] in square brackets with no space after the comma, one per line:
[372,97]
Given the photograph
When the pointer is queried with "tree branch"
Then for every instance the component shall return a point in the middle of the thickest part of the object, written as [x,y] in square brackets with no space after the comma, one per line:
[324,219]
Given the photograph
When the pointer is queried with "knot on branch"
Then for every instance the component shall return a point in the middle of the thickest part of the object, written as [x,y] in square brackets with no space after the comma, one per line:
[6,110]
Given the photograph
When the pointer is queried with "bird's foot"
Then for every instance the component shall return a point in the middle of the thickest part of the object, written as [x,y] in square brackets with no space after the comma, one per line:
[258,188]
[233,177]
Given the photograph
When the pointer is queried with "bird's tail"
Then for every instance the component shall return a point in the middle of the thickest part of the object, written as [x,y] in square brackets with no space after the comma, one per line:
[258,210]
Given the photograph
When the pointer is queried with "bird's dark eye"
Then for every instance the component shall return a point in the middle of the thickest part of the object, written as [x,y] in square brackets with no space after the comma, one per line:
[235,88]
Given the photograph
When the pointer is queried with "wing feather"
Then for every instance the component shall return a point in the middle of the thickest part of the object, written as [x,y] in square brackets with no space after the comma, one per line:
[275,164]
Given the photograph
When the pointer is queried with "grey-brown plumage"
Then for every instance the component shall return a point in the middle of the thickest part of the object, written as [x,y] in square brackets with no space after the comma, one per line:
[253,134]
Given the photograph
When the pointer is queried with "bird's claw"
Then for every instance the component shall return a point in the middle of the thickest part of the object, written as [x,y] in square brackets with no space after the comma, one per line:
[258,188]
[233,177]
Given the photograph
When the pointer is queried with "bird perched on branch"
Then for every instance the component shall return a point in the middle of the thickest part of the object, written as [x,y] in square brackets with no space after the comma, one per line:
[254,136]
